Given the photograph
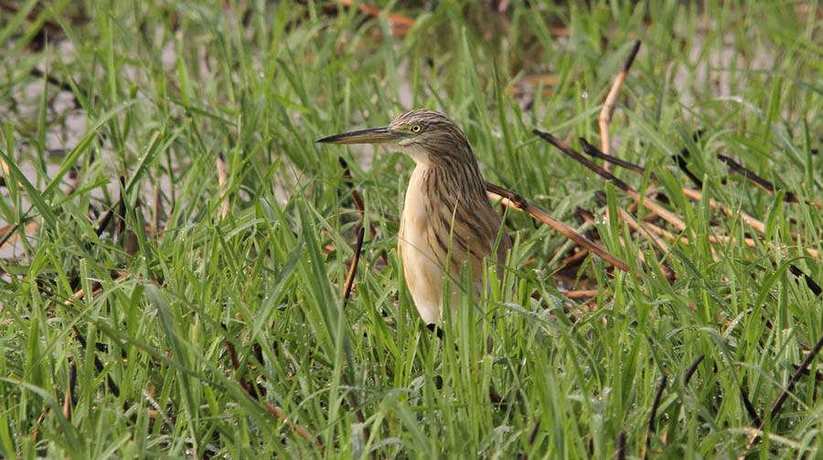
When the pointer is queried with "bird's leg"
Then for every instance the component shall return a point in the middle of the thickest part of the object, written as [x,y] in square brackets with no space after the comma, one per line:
[436,329]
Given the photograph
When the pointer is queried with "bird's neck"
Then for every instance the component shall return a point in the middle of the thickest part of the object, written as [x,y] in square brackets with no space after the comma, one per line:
[457,178]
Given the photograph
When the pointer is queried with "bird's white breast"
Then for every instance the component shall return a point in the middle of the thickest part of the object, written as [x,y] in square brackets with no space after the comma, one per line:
[423,274]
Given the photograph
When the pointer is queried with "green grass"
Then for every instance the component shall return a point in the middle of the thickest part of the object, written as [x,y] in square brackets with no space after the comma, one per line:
[166,88]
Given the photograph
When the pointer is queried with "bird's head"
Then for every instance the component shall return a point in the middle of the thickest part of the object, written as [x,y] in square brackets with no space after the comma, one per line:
[425,135]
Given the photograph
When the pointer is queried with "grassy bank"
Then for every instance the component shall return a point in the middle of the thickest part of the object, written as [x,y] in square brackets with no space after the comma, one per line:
[176,244]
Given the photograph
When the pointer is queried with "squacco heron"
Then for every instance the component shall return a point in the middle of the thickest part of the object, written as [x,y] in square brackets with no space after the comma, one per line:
[447,222]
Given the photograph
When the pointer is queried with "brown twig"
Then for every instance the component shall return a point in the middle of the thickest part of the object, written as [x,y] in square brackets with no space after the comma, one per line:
[658,397]
[235,363]
[781,399]
[581,294]
[687,376]
[747,404]
[613,159]
[71,391]
[515,201]
[620,453]
[574,258]
[347,287]
[533,434]
[222,181]
[649,203]
[37,73]
[118,210]
[348,180]
[35,432]
[634,225]
[611,99]
[105,221]
[692,194]
[714,239]
[98,364]
[96,288]
[359,204]
[810,283]
[627,217]
[281,415]
[654,239]
[680,159]
[752,222]
[778,404]
[588,217]
[818,375]
[738,168]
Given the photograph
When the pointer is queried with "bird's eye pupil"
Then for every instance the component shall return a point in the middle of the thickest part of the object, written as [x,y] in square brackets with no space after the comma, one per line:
[416,129]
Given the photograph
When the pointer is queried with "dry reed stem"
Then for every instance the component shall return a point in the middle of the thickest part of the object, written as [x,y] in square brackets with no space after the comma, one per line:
[515,201]
[757,225]
[607,111]
[281,415]
[581,294]
[752,222]
[654,239]
[737,168]
[634,225]
[358,249]
[574,258]
[658,397]
[642,200]
[71,390]
[80,294]
[222,182]
[649,203]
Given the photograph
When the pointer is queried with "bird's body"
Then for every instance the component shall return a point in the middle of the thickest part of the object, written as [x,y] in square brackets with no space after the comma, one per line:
[447,224]
[443,229]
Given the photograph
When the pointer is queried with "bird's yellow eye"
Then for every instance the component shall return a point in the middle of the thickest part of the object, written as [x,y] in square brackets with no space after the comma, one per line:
[415,128]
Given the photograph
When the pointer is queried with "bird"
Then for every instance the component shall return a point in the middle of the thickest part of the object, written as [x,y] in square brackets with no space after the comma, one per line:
[447,223]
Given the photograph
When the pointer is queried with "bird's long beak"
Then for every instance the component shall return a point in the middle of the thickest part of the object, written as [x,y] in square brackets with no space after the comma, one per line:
[362,136]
